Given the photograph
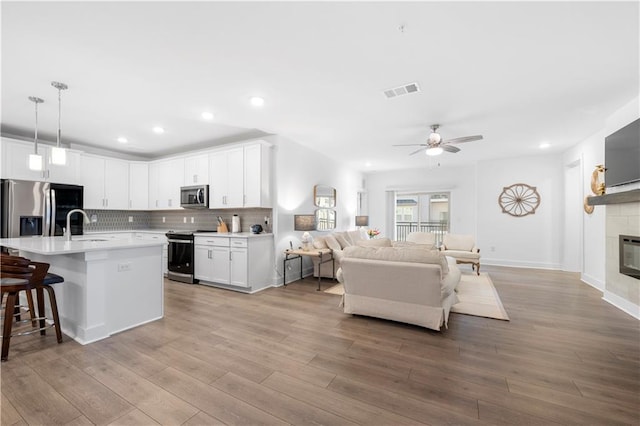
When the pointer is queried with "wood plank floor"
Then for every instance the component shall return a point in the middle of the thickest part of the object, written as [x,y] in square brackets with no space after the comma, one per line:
[290,356]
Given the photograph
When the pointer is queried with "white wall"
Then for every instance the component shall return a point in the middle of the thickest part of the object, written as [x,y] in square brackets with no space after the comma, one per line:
[591,153]
[533,240]
[297,170]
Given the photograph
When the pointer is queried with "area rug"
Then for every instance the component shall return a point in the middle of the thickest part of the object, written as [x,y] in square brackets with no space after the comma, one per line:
[479,297]
[336,289]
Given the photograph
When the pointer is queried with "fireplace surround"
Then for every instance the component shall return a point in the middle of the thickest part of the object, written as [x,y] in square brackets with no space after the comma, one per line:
[629,255]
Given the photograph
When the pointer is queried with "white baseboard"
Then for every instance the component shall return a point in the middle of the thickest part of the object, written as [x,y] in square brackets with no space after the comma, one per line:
[593,282]
[520,264]
[622,304]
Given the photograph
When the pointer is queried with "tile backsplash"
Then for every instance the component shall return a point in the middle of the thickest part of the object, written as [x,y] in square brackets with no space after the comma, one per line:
[196,219]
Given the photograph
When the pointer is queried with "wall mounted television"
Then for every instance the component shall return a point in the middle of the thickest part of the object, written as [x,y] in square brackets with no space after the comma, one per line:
[622,155]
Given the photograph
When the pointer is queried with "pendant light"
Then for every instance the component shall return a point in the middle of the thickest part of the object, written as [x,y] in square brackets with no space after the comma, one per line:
[35,159]
[59,154]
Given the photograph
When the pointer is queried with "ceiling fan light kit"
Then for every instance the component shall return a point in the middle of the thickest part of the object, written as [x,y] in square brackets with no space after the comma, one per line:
[436,150]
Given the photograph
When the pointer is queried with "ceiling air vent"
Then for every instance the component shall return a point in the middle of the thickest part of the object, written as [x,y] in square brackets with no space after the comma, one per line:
[402,90]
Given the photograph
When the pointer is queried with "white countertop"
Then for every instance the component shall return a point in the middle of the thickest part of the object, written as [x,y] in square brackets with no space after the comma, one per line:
[79,244]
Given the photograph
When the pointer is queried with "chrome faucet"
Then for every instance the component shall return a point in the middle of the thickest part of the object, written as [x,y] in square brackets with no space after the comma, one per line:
[67,231]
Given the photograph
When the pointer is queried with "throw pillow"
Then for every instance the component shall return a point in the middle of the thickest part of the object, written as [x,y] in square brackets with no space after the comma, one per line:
[320,243]
[342,239]
[380,242]
[332,243]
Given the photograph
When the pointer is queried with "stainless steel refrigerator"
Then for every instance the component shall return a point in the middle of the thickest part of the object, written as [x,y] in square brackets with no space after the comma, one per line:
[38,208]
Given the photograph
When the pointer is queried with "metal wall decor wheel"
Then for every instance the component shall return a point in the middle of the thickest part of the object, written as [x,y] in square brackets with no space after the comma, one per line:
[519,199]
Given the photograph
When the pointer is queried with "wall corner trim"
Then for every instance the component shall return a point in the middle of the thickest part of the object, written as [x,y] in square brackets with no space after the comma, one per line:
[593,282]
[622,304]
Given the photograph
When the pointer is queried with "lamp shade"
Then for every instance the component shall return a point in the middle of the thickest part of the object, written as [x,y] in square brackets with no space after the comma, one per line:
[304,222]
[362,220]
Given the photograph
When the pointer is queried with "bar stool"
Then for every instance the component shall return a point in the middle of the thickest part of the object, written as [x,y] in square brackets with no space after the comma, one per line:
[16,276]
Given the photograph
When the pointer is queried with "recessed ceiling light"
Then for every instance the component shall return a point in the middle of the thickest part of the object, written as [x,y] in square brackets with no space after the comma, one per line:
[367,164]
[158,130]
[544,145]
[257,101]
[122,140]
[207,115]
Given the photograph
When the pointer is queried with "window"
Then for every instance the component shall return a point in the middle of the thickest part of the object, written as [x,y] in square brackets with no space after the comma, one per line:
[422,212]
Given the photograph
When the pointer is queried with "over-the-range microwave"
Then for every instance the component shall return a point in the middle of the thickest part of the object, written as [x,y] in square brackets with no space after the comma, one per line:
[194,197]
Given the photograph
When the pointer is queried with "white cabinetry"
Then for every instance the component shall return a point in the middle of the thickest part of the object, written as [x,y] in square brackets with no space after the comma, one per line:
[257,177]
[240,177]
[138,186]
[106,183]
[239,263]
[15,157]
[165,179]
[196,170]
[226,178]
[211,261]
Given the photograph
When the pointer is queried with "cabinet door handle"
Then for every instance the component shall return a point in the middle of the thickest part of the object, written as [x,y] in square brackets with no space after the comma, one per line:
[156,203]
[129,203]
[195,178]
[106,201]
[230,256]
[169,201]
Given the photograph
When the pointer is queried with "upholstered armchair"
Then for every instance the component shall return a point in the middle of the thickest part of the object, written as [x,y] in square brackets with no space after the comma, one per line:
[422,238]
[463,249]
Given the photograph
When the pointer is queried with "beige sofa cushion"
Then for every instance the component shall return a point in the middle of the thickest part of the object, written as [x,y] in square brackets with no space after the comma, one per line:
[458,242]
[377,242]
[393,254]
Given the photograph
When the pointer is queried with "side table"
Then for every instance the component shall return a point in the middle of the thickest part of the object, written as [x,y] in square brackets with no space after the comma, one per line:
[324,255]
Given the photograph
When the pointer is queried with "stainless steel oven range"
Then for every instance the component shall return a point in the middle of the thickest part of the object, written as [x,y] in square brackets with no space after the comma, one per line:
[181,256]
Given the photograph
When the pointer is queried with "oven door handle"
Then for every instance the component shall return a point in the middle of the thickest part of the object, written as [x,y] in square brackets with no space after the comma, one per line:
[181,241]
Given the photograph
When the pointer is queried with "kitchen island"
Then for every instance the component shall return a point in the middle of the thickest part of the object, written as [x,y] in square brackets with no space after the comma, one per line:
[109,285]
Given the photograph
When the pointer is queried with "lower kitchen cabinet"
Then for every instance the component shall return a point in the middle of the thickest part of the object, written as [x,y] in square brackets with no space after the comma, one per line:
[241,262]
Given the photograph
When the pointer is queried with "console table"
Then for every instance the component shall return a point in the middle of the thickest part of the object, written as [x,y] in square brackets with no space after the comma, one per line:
[324,256]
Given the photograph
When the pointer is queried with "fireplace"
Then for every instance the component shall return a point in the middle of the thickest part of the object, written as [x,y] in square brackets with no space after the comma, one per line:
[630,256]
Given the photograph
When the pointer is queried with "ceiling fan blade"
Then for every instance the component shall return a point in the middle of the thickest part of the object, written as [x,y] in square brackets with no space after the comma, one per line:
[450,148]
[412,144]
[464,139]
[417,151]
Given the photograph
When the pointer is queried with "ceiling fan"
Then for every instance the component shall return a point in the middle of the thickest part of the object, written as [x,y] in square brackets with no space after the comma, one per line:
[435,145]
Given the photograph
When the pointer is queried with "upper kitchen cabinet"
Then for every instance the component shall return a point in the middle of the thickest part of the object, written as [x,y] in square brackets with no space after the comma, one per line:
[240,177]
[257,176]
[226,178]
[165,179]
[138,185]
[106,183]
[196,170]
[15,157]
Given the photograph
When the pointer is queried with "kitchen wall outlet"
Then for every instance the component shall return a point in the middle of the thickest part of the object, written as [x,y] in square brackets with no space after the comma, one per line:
[164,219]
[184,219]
[124,267]
[130,218]
[193,219]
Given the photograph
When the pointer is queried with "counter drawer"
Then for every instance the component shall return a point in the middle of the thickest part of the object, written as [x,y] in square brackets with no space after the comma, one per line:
[238,242]
[212,241]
